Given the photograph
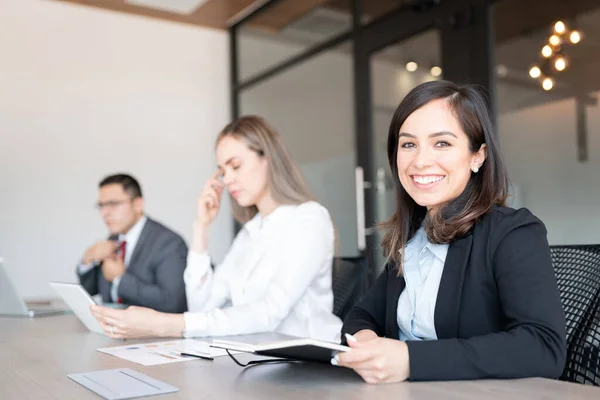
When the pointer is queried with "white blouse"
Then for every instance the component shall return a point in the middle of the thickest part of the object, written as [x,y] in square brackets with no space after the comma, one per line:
[276,277]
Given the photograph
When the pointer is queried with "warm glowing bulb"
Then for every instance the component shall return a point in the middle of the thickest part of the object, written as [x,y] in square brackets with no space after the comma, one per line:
[575,37]
[554,40]
[435,71]
[535,72]
[559,27]
[546,51]
[560,64]
[411,66]
[501,70]
[548,84]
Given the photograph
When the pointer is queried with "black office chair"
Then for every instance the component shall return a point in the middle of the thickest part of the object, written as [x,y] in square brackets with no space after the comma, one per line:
[349,284]
[577,270]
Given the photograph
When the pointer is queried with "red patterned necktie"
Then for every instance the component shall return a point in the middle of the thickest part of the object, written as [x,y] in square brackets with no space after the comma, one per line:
[122,248]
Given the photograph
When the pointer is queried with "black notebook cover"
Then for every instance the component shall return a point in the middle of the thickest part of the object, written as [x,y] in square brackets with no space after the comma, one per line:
[292,348]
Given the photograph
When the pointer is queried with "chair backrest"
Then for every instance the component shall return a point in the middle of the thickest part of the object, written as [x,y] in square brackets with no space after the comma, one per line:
[577,270]
[349,283]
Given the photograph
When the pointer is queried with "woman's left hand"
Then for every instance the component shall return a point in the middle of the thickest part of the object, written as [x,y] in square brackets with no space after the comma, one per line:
[377,360]
[133,322]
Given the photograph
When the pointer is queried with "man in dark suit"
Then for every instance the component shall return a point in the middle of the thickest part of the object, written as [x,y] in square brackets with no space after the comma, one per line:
[142,262]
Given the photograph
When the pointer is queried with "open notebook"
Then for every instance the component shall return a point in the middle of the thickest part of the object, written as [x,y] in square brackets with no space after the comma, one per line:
[291,348]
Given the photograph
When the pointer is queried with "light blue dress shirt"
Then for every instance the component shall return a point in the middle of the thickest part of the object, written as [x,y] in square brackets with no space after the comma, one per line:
[423,267]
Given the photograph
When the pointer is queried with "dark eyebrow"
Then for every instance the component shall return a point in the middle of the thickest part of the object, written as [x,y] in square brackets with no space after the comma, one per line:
[431,135]
[406,135]
[228,161]
[442,133]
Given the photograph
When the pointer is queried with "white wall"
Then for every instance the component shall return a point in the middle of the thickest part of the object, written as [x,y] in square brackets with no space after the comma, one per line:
[539,145]
[85,93]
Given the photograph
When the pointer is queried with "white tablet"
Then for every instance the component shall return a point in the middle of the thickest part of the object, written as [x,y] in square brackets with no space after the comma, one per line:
[79,301]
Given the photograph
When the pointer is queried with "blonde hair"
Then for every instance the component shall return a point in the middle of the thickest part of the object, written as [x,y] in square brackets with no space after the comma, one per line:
[286,182]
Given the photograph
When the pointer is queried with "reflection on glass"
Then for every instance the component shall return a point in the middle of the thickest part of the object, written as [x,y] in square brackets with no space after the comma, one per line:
[547,114]
[311,105]
[374,9]
[395,70]
[288,28]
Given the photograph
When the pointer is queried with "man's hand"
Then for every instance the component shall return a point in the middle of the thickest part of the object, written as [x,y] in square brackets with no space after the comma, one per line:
[112,267]
[100,251]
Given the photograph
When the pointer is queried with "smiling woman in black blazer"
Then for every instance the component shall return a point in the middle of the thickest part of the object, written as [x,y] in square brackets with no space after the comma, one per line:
[469,291]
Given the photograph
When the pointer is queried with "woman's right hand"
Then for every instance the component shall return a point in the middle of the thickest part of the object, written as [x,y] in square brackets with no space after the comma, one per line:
[209,201]
[365,335]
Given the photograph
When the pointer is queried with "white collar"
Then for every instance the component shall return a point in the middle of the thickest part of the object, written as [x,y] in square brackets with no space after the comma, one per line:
[259,222]
[133,235]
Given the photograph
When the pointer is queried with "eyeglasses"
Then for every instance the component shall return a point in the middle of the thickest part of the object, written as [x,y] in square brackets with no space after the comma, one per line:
[112,204]
[258,362]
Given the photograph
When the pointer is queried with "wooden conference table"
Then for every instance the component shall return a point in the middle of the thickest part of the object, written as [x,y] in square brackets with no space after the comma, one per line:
[37,354]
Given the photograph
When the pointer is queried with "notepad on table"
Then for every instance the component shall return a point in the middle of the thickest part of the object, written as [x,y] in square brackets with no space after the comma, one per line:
[121,383]
[302,349]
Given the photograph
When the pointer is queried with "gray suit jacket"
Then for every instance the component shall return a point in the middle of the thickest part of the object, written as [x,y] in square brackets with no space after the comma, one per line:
[154,276]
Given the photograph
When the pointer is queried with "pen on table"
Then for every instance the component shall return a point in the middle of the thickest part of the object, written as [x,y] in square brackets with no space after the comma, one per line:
[197,356]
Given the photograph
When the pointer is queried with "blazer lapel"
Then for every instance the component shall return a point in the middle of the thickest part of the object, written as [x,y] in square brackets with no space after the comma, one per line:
[145,237]
[396,285]
[450,291]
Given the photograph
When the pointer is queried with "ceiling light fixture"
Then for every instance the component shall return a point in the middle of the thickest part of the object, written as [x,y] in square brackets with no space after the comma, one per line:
[547,51]
[575,37]
[560,63]
[535,72]
[554,55]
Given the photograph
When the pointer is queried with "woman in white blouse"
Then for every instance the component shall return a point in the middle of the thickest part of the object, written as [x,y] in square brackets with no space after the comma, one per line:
[277,274]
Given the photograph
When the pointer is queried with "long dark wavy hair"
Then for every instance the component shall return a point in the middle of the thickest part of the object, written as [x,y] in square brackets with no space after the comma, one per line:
[484,189]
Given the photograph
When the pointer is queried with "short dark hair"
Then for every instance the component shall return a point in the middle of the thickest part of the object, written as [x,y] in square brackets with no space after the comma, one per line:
[488,187]
[129,183]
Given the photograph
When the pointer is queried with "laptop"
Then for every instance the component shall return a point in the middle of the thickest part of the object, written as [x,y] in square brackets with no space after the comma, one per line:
[13,305]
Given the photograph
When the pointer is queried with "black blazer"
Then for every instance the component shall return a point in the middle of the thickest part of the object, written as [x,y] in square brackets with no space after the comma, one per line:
[154,276]
[498,312]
